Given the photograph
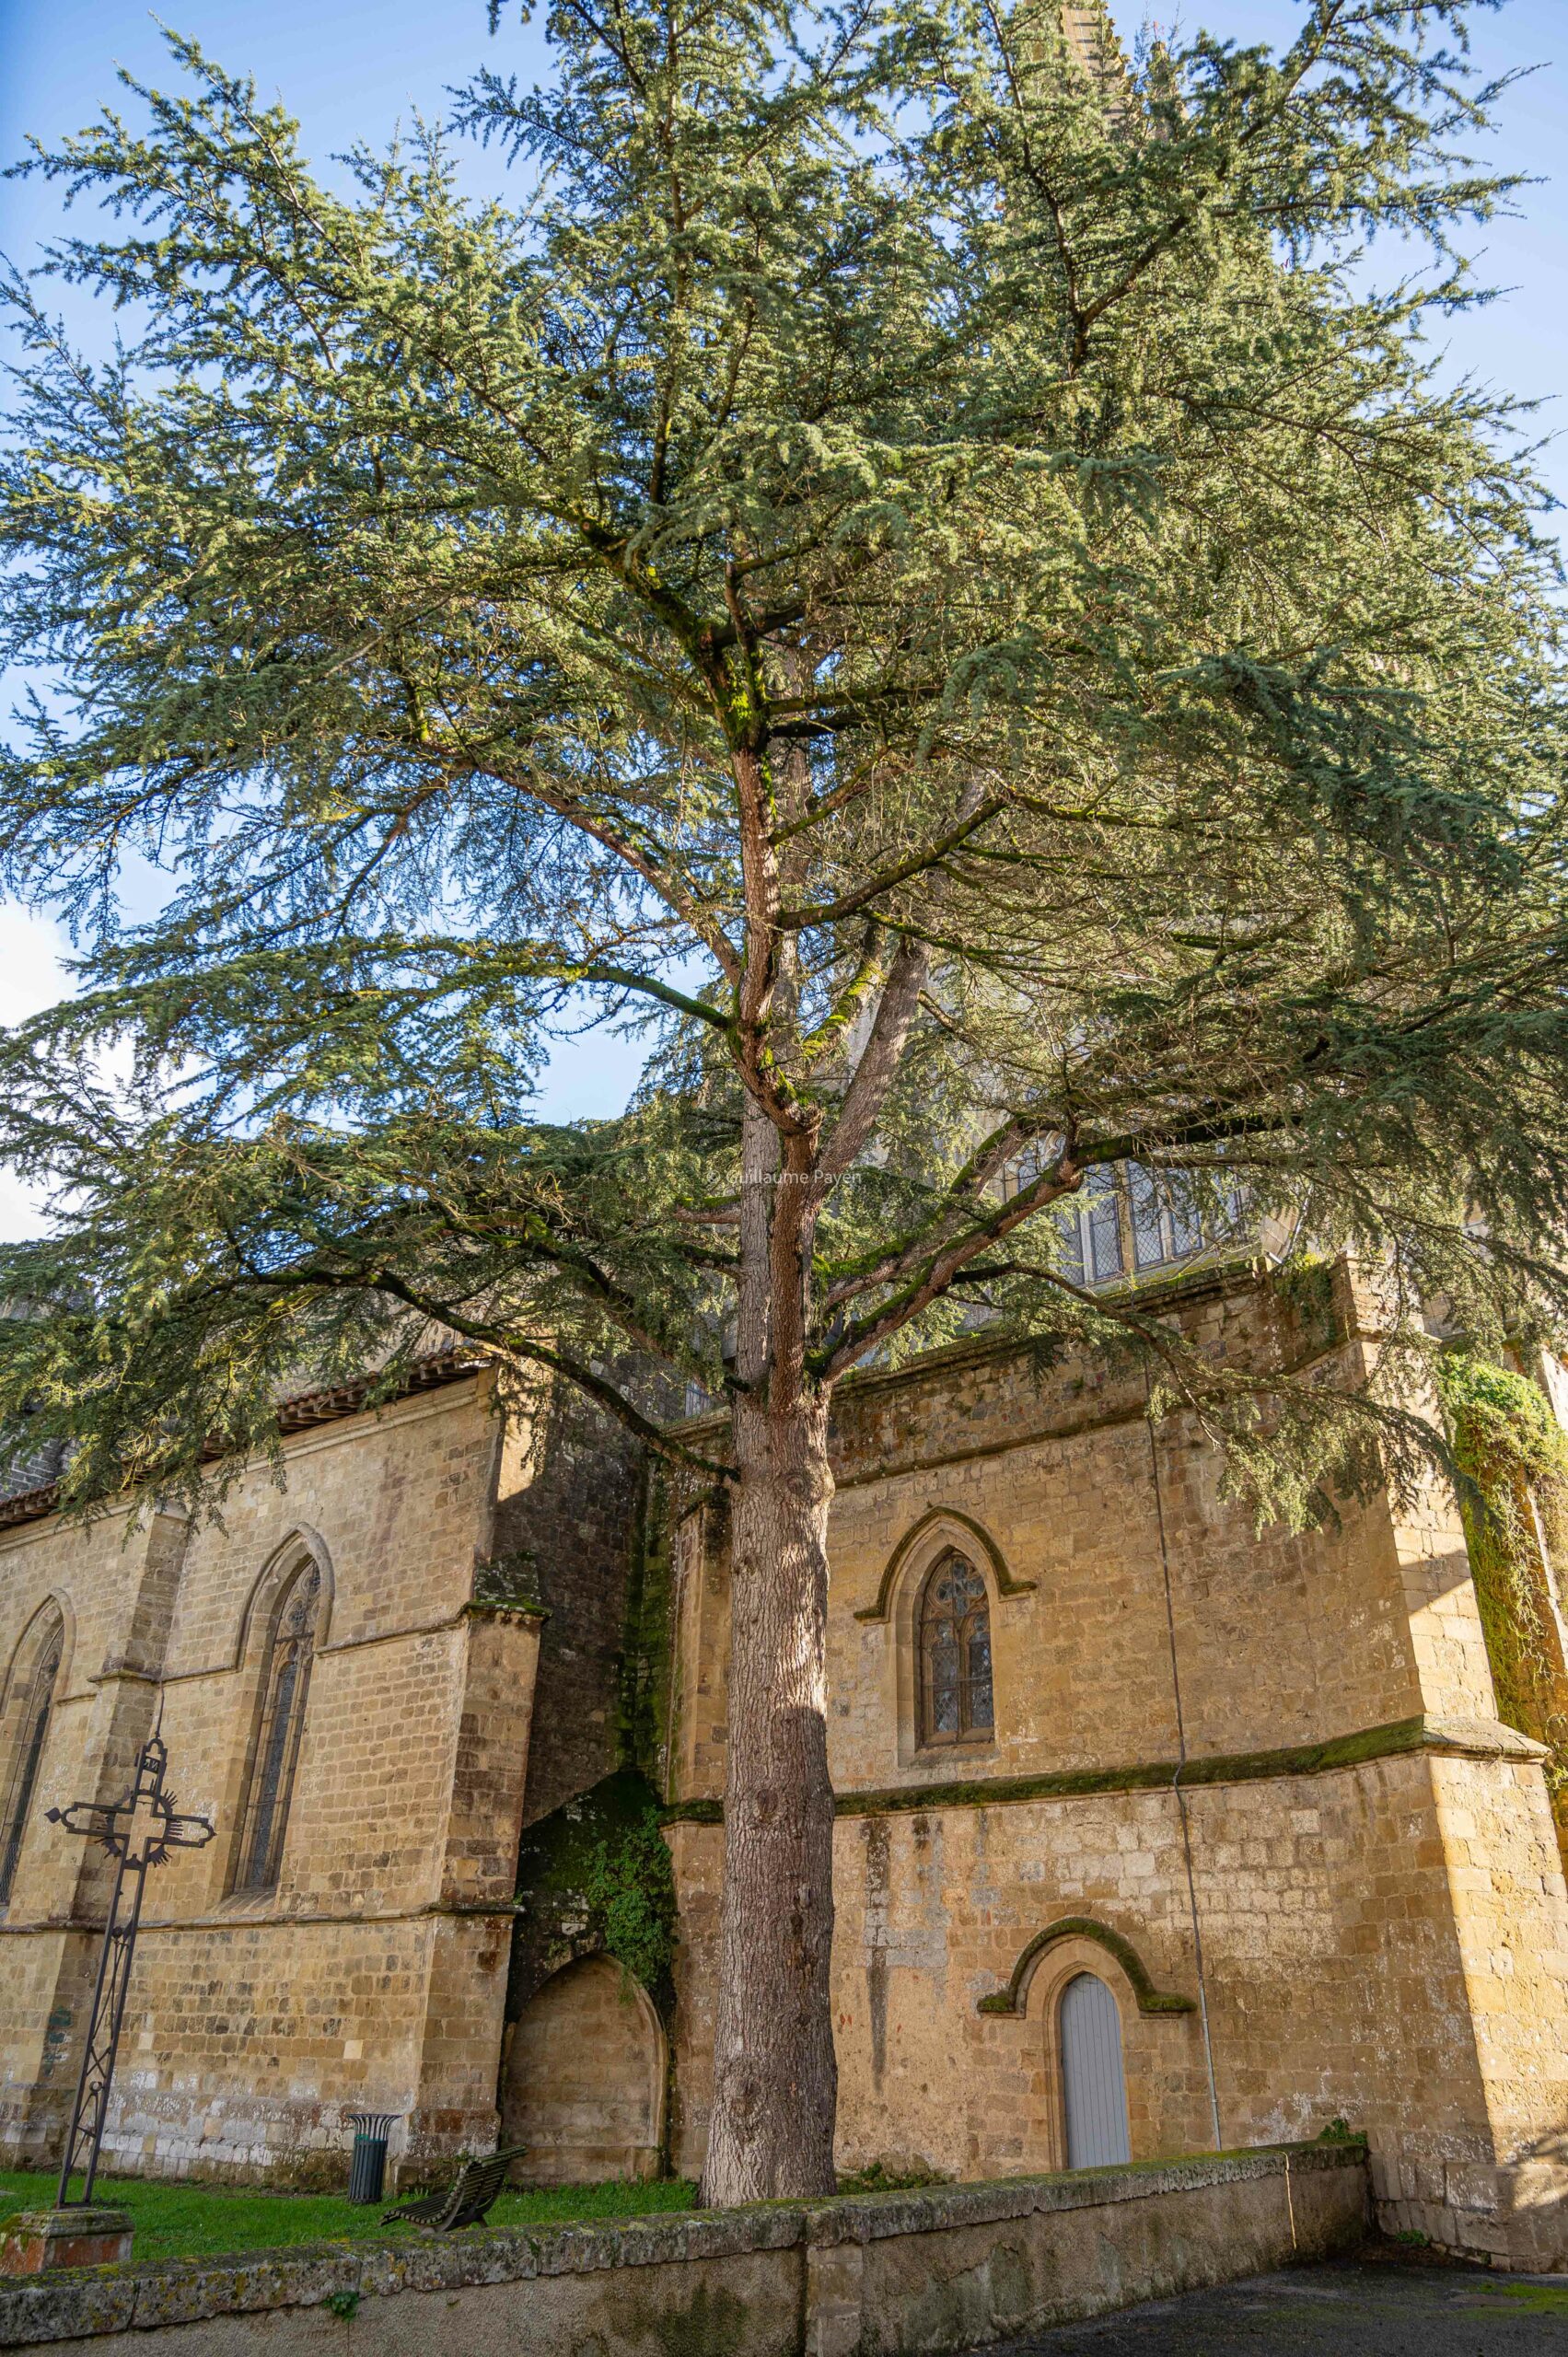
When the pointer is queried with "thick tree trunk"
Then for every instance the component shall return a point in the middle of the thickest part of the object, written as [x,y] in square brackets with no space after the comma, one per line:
[775,2079]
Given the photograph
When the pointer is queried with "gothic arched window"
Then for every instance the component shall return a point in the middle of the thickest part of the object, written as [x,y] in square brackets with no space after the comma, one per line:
[955,1654]
[27,1717]
[285,1682]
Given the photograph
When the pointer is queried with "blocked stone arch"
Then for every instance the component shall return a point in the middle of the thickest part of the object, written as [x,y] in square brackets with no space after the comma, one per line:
[940,1531]
[1114,1946]
[584,2074]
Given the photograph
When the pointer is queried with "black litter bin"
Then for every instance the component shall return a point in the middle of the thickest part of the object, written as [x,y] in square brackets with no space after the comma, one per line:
[367,2168]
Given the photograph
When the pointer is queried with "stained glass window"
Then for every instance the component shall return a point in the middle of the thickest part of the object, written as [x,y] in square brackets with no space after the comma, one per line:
[955,1654]
[31,1726]
[284,1687]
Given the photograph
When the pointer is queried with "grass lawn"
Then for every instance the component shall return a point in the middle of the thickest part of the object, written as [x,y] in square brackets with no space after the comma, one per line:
[207,2221]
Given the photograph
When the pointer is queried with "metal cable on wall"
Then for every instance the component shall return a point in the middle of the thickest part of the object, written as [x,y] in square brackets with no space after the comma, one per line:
[1175,1780]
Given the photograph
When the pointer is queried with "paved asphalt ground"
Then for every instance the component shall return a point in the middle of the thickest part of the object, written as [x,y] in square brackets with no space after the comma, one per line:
[1344,2309]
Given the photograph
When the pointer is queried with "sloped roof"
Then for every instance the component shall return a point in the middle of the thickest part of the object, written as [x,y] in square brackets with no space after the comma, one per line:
[36,1479]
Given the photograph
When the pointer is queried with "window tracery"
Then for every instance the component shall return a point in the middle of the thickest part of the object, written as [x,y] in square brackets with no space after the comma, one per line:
[956,1703]
[284,1687]
[28,1735]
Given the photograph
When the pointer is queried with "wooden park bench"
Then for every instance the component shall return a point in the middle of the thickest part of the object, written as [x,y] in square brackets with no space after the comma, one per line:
[465,2202]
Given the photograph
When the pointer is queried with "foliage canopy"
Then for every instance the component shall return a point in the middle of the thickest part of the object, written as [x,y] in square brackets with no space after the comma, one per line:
[912,563]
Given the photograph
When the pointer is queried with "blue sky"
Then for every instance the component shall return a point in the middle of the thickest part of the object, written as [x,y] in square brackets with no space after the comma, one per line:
[351,69]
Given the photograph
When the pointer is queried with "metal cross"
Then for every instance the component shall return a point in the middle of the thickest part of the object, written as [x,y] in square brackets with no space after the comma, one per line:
[139,1830]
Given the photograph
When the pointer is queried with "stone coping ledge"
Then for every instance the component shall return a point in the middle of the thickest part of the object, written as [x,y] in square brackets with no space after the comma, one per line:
[87,2303]
[1458,1738]
[1209,1275]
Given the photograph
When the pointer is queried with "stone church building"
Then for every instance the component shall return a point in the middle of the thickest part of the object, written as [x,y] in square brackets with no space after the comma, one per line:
[1154,1834]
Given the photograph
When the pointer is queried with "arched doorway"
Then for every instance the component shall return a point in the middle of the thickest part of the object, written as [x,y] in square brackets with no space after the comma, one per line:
[583,2086]
[1094,2086]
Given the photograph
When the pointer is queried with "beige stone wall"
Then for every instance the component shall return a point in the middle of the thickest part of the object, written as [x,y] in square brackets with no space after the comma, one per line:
[569,1495]
[37,2053]
[372,1975]
[950,2270]
[1373,1948]
[1346,1978]
[583,2084]
[96,1578]
[1279,1639]
[1505,1867]
[1383,1930]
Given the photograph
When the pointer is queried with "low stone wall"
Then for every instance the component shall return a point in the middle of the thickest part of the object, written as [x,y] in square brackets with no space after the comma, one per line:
[872,2275]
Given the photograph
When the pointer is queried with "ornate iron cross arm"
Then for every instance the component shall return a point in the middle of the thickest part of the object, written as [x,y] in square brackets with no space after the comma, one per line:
[99,1821]
[139,1830]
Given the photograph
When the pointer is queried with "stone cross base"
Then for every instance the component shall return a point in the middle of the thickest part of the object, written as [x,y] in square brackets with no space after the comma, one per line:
[34,2240]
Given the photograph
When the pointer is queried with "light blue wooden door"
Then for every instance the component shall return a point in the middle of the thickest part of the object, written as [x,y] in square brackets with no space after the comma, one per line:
[1094,2090]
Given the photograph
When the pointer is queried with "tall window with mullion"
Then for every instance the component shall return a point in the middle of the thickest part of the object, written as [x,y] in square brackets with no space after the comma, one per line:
[1126,1219]
[1091,1231]
[1165,1226]
[956,1698]
[1168,1223]
[29,1707]
[284,1687]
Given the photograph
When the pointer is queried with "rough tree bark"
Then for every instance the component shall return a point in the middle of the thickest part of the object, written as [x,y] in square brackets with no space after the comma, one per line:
[776,2077]
[775,2074]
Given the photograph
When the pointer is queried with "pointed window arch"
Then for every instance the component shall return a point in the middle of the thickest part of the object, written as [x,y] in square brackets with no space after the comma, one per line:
[30,1707]
[285,1685]
[953,1655]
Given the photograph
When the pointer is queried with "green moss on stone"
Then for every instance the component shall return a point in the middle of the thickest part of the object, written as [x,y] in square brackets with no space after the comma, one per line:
[1514,1458]
[693,1812]
[880,2177]
[594,1879]
[1306,1284]
[1529,2299]
[643,1701]
[1390,1741]
[510,1582]
[1085,1927]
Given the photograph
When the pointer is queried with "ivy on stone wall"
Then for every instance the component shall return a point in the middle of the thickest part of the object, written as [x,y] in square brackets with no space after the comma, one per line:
[1304,1282]
[629,1890]
[1514,1455]
[594,1879]
[643,1696]
[509,1579]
